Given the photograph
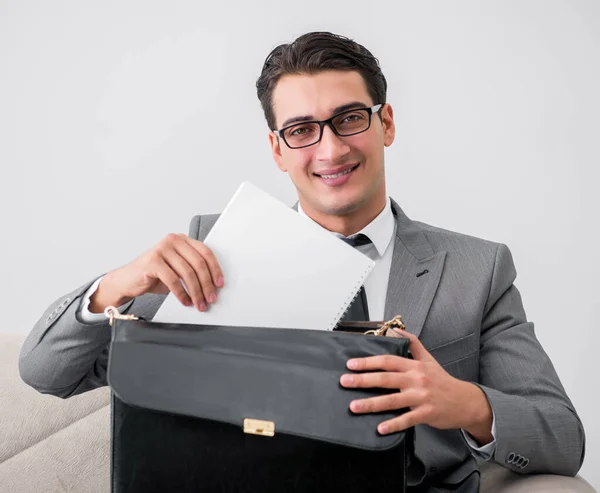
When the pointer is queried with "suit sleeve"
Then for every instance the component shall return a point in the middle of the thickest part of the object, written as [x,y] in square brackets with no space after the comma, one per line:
[538,429]
[65,355]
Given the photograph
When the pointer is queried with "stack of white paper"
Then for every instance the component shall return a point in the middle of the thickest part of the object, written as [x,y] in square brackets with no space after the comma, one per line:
[280,269]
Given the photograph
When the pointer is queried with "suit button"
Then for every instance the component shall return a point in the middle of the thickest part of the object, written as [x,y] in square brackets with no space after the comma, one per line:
[526,463]
[510,458]
[520,462]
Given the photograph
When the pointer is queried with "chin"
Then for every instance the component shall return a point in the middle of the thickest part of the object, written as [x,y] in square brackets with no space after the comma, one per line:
[340,207]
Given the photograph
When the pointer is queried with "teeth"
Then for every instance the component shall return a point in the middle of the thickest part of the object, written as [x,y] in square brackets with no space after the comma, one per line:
[339,174]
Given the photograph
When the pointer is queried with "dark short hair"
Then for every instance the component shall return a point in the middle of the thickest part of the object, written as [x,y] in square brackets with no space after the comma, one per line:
[315,52]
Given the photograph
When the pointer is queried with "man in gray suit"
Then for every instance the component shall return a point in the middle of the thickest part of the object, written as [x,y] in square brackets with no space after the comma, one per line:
[480,385]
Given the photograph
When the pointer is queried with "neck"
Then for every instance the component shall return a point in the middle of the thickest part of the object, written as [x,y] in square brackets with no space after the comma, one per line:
[350,223]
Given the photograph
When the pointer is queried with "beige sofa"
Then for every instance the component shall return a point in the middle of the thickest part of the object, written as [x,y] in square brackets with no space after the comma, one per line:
[50,445]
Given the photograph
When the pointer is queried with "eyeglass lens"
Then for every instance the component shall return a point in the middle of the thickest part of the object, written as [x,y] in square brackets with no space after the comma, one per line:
[348,123]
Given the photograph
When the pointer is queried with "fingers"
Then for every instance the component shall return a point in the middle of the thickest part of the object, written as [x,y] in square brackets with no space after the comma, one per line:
[191,262]
[201,269]
[391,402]
[382,380]
[388,402]
[417,350]
[416,347]
[401,423]
[169,278]
[387,362]
[184,271]
[395,333]
[412,376]
[213,264]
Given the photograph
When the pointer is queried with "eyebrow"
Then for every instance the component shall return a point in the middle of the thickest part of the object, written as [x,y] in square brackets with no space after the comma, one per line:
[345,107]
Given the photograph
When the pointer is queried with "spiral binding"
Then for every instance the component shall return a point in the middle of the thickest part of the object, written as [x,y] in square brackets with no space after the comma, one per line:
[343,310]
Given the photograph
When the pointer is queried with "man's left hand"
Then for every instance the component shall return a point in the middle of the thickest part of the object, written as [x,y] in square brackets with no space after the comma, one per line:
[433,396]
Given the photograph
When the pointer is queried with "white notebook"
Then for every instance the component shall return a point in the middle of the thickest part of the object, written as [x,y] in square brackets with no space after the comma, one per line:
[281,269]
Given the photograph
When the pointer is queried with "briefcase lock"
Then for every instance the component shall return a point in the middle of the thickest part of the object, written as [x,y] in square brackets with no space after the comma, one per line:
[259,427]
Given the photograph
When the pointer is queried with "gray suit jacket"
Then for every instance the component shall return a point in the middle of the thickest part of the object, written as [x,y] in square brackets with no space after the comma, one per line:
[466,311]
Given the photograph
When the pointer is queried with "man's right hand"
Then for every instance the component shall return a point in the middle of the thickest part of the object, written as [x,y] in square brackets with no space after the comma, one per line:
[160,270]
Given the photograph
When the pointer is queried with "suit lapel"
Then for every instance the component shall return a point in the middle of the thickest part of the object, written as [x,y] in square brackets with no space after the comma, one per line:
[415,274]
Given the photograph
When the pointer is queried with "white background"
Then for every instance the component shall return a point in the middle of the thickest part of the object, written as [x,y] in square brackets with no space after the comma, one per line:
[121,120]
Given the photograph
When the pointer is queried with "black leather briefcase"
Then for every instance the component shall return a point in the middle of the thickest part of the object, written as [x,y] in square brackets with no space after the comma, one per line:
[241,409]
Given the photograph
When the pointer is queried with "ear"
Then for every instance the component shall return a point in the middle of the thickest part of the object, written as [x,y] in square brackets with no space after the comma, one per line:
[389,128]
[275,143]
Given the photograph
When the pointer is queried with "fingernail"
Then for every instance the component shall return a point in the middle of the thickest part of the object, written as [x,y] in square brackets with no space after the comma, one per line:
[352,364]
[356,406]
[202,307]
[212,298]
[383,429]
[347,379]
[220,281]
[188,302]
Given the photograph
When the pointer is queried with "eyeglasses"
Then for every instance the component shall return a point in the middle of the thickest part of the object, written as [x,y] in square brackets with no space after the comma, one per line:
[343,124]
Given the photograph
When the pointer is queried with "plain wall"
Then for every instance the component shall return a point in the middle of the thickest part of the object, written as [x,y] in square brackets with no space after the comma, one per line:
[121,120]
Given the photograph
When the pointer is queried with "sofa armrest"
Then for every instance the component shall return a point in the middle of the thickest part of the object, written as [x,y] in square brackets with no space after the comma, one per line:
[497,479]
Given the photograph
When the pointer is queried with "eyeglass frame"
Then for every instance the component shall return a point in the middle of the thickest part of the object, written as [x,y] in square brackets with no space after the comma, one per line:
[329,122]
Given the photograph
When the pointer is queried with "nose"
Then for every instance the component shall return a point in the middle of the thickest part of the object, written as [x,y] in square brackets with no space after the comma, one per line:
[331,148]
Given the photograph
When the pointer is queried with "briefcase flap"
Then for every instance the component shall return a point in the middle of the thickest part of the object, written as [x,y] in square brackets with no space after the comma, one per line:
[262,379]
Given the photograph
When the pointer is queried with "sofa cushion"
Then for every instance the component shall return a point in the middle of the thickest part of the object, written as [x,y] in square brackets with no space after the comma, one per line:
[29,417]
[75,459]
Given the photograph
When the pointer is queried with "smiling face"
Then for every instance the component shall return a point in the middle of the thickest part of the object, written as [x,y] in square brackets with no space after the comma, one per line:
[335,201]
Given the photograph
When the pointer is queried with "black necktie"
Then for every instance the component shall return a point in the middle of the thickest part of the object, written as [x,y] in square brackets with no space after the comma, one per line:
[358,311]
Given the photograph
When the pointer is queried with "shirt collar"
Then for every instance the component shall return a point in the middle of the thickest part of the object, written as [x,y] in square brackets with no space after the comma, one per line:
[380,230]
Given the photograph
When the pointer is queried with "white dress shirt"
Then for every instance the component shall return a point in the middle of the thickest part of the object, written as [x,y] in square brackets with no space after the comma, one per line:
[86,316]
[381,231]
